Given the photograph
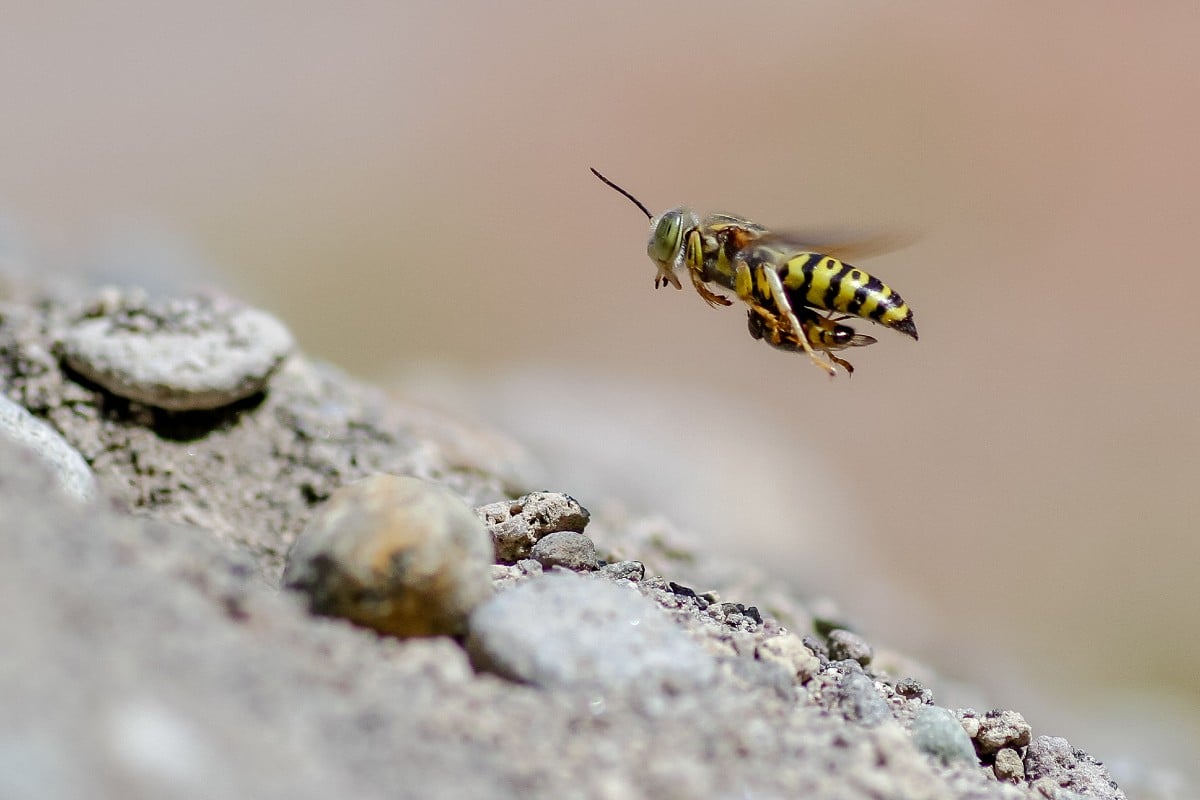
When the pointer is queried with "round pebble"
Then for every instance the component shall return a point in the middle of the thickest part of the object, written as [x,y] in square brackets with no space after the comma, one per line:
[182,354]
[936,731]
[581,632]
[71,472]
[400,555]
[844,645]
[567,549]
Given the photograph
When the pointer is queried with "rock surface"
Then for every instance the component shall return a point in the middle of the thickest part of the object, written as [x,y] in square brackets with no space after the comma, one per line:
[154,655]
[565,631]
[75,477]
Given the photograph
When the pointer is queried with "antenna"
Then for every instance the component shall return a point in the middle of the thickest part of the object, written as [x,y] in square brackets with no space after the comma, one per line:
[635,201]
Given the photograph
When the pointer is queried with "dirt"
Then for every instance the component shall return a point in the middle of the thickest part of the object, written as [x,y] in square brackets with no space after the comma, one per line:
[149,651]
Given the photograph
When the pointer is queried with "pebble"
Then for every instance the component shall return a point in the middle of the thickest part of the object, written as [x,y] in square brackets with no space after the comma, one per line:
[844,645]
[517,525]
[400,555]
[937,732]
[567,549]
[181,354]
[999,729]
[1009,767]
[861,701]
[565,630]
[71,472]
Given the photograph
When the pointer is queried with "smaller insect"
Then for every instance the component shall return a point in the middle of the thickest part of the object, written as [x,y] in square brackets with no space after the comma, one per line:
[825,334]
[778,276]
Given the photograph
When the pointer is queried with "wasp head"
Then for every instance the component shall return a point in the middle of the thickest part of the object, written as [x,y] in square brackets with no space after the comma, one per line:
[666,246]
[667,235]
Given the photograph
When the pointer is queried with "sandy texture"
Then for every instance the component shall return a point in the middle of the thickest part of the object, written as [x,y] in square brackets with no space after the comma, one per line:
[149,651]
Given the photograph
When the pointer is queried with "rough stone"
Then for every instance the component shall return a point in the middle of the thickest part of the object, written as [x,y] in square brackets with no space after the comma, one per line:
[397,554]
[181,354]
[1008,766]
[517,525]
[1050,760]
[999,729]
[566,549]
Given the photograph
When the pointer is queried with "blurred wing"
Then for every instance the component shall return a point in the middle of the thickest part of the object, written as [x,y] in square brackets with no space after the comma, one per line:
[861,340]
[841,243]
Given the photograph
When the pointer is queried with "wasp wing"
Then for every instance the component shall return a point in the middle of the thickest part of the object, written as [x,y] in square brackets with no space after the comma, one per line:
[840,243]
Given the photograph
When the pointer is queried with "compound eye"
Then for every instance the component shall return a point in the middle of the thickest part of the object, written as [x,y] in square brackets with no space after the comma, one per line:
[664,242]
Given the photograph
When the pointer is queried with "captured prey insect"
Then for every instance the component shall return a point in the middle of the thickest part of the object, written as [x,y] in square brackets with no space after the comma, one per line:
[776,275]
[825,333]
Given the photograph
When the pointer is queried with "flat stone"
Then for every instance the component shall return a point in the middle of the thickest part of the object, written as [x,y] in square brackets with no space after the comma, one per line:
[570,631]
[182,354]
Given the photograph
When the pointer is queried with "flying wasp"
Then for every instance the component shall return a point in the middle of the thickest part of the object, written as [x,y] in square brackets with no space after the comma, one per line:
[778,276]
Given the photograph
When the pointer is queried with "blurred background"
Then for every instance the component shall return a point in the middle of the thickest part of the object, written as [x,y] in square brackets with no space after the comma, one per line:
[1013,498]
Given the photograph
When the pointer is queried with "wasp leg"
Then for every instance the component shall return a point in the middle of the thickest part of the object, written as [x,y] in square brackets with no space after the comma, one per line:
[694,259]
[712,298]
[841,362]
[744,285]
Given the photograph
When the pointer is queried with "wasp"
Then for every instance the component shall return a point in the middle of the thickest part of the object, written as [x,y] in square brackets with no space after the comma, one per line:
[778,276]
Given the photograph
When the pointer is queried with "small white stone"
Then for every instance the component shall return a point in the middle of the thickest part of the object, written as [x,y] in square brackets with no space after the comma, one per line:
[181,355]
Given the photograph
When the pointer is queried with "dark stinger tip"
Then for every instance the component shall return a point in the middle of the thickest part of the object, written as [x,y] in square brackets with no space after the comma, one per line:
[907,326]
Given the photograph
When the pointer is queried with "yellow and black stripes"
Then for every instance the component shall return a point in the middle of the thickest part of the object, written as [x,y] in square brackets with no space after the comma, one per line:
[812,279]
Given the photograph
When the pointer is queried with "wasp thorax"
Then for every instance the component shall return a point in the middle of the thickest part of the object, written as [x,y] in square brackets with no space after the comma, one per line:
[666,236]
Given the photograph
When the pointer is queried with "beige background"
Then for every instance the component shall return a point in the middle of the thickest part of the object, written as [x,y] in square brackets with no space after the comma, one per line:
[1014,496]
